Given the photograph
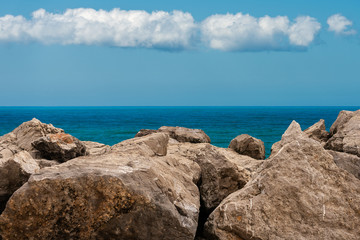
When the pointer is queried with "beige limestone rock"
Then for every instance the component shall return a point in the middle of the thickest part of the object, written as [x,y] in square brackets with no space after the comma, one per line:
[111,196]
[346,161]
[223,171]
[148,145]
[247,145]
[318,132]
[346,133]
[60,146]
[14,172]
[299,193]
[180,134]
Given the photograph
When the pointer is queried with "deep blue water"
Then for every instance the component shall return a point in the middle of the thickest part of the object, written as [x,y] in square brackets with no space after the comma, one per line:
[111,125]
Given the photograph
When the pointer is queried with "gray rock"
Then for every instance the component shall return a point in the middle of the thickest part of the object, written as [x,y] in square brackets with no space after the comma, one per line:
[60,146]
[14,172]
[348,162]
[318,132]
[223,171]
[299,193]
[346,133]
[148,145]
[247,145]
[111,196]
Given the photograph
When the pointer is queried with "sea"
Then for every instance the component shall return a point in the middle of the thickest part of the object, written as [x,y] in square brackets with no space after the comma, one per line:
[110,125]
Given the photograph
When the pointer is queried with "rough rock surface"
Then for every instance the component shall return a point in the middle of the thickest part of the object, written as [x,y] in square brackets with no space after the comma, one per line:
[180,134]
[60,146]
[292,132]
[299,193]
[46,163]
[112,196]
[348,162]
[247,145]
[22,137]
[95,148]
[318,131]
[14,172]
[222,170]
[148,145]
[345,133]
[343,117]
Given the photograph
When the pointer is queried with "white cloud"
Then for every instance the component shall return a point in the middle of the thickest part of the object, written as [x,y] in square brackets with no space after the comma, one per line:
[161,30]
[340,24]
[174,30]
[241,32]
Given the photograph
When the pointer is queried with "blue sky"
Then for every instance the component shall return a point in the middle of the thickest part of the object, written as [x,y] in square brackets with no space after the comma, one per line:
[194,60]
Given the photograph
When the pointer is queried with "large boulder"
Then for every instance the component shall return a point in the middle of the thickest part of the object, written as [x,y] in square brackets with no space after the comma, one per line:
[345,133]
[22,137]
[223,171]
[180,134]
[299,193]
[348,162]
[14,172]
[148,145]
[60,146]
[318,132]
[111,196]
[42,141]
[247,145]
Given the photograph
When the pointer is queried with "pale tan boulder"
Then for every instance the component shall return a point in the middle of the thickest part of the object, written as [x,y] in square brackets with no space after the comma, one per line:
[298,193]
[245,144]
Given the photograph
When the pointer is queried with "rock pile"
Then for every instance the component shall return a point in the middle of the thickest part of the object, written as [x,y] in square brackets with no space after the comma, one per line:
[171,183]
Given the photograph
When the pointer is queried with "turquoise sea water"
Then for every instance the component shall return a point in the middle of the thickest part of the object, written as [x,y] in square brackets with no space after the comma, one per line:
[111,125]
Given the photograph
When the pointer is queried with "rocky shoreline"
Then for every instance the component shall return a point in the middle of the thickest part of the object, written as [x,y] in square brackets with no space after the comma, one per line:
[171,183]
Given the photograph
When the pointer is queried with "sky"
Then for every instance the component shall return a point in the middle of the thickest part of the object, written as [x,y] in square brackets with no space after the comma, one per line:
[180,53]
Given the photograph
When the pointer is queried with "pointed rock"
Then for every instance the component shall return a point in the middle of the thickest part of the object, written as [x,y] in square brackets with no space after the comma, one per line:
[22,137]
[343,117]
[318,132]
[292,132]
